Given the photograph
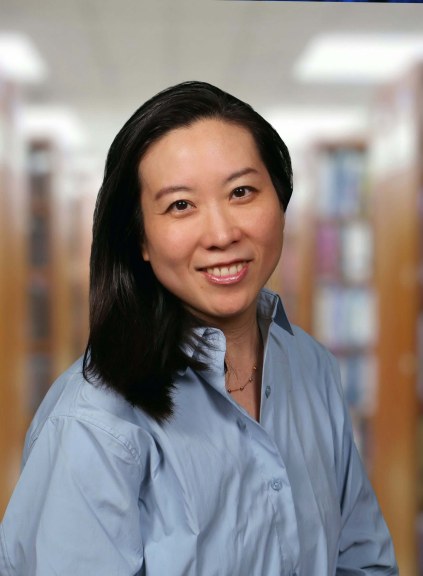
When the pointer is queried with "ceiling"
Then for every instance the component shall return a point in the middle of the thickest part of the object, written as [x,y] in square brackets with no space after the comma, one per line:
[105,57]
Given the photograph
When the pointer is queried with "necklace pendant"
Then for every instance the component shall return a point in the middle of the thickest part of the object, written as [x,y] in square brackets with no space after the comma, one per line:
[241,388]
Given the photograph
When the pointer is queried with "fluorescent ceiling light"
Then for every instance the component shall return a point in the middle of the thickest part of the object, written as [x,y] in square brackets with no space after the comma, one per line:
[357,58]
[57,123]
[301,126]
[19,59]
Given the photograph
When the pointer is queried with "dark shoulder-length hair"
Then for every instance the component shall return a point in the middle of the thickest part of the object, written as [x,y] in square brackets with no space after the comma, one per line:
[140,333]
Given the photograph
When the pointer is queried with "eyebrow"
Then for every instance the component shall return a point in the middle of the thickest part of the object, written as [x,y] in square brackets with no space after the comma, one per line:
[181,188]
[240,173]
[169,190]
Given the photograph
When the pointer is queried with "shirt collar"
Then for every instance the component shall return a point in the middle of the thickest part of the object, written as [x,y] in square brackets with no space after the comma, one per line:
[269,309]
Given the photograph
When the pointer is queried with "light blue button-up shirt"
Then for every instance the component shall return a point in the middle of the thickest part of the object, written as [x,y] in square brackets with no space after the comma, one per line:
[106,491]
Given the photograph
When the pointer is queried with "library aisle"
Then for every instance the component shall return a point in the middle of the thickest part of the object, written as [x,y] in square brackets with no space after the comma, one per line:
[351,271]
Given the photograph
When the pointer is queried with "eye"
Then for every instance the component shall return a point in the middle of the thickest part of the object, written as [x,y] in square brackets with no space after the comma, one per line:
[242,192]
[179,206]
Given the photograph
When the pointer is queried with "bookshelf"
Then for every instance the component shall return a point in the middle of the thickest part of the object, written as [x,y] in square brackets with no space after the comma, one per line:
[339,301]
[397,189]
[13,229]
[55,293]
[39,276]
[46,206]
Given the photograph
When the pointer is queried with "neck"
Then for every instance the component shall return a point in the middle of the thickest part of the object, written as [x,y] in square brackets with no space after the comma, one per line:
[244,360]
[243,342]
[241,332]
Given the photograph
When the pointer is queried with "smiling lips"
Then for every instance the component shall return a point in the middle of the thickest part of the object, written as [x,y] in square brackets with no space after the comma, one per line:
[230,274]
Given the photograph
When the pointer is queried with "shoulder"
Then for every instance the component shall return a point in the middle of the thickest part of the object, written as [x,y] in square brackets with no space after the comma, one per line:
[84,463]
[73,404]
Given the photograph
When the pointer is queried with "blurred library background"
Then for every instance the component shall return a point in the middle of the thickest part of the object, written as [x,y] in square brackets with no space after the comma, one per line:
[342,83]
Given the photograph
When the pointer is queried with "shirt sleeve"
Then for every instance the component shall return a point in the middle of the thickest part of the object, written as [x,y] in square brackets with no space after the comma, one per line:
[75,509]
[365,545]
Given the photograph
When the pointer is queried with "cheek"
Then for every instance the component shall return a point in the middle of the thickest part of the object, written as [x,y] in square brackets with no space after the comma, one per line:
[273,242]
[166,248]
[271,228]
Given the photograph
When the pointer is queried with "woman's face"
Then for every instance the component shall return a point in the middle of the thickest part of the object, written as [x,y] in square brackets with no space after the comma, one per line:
[212,219]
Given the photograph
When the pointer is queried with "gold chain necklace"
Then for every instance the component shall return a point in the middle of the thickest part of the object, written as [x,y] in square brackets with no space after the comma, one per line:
[241,388]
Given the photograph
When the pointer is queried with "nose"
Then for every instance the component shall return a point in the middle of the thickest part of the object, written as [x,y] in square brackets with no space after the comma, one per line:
[221,228]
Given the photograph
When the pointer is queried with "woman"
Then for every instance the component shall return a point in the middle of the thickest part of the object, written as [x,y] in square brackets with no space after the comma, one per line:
[201,434]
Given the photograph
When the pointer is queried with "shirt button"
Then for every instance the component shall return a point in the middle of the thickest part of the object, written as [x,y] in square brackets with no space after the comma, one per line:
[276,484]
[267,391]
[242,425]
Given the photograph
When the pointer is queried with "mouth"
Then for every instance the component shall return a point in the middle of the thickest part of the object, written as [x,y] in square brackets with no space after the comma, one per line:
[226,270]
[226,274]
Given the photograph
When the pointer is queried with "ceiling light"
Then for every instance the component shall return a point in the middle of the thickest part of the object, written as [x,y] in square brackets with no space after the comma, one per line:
[300,126]
[19,59]
[357,58]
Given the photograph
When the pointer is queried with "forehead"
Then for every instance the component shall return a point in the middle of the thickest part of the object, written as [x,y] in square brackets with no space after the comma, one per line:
[214,144]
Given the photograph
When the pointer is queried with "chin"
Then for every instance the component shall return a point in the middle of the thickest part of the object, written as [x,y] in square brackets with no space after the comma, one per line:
[222,309]
[227,313]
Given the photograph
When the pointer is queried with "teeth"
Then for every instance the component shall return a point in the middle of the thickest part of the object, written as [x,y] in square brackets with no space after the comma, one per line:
[226,270]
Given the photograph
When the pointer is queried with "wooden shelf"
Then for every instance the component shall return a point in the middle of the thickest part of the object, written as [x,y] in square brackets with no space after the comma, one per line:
[397,192]
[13,253]
[45,234]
